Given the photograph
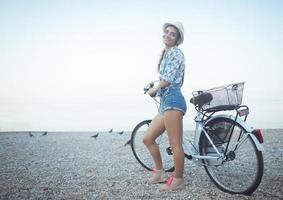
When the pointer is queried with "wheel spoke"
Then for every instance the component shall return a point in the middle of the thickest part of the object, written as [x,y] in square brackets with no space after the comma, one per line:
[242,167]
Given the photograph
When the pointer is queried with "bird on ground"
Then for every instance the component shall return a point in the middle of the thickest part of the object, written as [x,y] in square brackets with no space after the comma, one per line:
[128,142]
[45,133]
[95,135]
[110,131]
[30,134]
[121,132]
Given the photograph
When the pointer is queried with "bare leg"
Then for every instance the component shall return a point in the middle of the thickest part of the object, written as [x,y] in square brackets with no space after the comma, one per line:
[173,121]
[156,128]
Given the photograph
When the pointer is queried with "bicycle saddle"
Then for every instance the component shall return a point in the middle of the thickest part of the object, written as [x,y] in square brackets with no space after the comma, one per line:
[201,99]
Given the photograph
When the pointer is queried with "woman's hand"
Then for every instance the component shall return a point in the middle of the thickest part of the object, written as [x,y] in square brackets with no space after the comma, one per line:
[152,91]
[162,84]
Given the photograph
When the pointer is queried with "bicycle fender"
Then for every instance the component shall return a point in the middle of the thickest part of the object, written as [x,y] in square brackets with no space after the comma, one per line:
[244,124]
[258,145]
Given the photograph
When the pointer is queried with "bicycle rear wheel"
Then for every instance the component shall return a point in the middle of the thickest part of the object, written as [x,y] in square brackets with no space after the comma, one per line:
[241,170]
[142,154]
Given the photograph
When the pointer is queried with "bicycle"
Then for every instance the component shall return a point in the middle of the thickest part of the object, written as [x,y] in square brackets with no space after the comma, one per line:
[224,144]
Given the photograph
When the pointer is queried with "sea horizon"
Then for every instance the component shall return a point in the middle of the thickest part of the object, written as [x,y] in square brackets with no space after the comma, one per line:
[103,114]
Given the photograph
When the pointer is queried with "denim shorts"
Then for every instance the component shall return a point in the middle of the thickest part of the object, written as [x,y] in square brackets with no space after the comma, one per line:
[172,99]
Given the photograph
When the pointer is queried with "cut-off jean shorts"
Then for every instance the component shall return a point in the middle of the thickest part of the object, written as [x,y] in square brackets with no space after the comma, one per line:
[172,99]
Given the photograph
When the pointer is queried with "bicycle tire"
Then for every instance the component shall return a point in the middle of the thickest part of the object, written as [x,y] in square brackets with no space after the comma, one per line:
[242,172]
[142,154]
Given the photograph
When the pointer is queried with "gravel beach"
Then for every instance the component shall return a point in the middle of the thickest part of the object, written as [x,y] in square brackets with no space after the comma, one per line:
[74,165]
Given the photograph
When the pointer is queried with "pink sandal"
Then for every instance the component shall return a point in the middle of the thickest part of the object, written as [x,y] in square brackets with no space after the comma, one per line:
[174,184]
[158,176]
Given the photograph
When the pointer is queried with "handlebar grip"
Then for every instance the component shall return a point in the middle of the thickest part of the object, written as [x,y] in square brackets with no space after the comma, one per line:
[150,85]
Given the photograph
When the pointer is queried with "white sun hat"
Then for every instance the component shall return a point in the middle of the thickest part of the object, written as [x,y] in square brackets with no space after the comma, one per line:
[179,27]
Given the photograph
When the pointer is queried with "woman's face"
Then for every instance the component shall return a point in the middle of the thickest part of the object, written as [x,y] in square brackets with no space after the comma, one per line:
[170,36]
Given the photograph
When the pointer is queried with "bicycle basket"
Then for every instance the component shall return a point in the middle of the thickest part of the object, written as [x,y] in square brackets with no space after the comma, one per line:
[223,96]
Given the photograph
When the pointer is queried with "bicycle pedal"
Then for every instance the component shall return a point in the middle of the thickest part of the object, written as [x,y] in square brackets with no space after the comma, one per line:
[189,157]
[169,151]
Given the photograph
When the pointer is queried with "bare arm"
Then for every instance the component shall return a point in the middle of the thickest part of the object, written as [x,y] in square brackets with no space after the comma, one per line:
[162,84]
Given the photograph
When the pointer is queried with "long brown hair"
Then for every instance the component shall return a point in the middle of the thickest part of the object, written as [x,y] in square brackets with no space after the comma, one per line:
[160,59]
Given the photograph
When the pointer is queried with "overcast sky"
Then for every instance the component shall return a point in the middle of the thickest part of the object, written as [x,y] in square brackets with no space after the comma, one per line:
[101,54]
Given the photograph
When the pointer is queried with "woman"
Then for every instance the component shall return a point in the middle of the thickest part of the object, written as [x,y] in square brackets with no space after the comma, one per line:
[172,108]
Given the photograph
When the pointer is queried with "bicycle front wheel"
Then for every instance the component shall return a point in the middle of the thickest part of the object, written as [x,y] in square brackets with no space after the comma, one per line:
[241,169]
[141,152]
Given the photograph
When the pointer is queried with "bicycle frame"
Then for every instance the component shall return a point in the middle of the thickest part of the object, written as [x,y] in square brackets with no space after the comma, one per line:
[192,150]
